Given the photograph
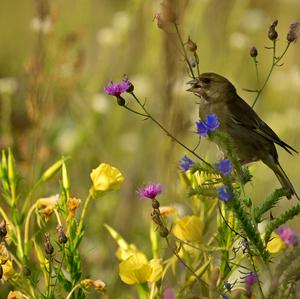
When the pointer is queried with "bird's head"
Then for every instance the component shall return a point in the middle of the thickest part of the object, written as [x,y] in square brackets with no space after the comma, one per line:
[212,87]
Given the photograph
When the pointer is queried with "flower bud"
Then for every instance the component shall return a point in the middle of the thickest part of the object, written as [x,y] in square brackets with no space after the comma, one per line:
[47,245]
[155,203]
[121,101]
[272,33]
[51,171]
[62,238]
[163,231]
[191,45]
[253,51]
[292,34]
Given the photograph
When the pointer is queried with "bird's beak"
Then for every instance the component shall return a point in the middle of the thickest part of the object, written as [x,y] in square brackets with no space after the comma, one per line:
[195,85]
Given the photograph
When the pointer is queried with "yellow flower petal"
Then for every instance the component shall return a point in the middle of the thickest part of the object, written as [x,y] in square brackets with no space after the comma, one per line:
[135,269]
[157,270]
[188,228]
[106,177]
[276,244]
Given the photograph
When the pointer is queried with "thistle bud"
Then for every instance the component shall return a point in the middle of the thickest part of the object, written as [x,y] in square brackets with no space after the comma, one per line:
[191,45]
[47,245]
[272,33]
[292,34]
[163,231]
[62,238]
[155,203]
[121,101]
[253,51]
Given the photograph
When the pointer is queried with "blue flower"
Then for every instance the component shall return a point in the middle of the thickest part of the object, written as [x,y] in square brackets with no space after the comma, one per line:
[202,129]
[185,163]
[212,122]
[225,194]
[210,125]
[224,167]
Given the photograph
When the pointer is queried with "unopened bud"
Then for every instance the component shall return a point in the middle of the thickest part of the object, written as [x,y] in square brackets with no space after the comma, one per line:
[253,51]
[272,33]
[51,171]
[62,238]
[292,34]
[163,231]
[48,246]
[121,101]
[155,203]
[191,45]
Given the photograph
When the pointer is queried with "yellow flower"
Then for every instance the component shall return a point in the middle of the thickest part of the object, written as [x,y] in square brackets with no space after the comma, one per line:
[276,244]
[15,295]
[136,269]
[124,253]
[73,203]
[188,228]
[106,177]
[8,270]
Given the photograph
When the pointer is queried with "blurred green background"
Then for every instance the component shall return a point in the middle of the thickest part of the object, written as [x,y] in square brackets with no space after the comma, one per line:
[55,58]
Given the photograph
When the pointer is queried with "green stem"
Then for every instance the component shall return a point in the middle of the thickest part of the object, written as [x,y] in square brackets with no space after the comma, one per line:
[49,277]
[184,51]
[258,281]
[275,61]
[80,225]
[143,291]
[77,286]
[27,222]
[167,132]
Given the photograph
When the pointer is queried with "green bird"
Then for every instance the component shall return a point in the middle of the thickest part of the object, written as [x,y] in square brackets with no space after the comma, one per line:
[252,138]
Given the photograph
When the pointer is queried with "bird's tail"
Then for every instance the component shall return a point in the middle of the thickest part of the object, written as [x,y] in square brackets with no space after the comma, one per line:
[284,180]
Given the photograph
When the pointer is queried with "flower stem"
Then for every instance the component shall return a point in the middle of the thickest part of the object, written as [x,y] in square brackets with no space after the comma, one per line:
[167,132]
[184,51]
[83,213]
[275,61]
[77,286]
[27,222]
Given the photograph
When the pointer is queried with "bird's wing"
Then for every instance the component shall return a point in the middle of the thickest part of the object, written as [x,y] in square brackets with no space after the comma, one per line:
[245,116]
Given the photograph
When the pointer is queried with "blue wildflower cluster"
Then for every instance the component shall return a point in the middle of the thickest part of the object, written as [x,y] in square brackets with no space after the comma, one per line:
[224,167]
[186,163]
[211,124]
[224,193]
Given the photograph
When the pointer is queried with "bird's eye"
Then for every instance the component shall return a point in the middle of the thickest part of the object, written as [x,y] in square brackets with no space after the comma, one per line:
[206,80]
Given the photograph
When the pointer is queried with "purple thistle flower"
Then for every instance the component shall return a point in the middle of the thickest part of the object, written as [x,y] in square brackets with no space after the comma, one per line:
[212,122]
[224,166]
[224,194]
[250,279]
[115,89]
[287,235]
[201,128]
[150,191]
[186,163]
